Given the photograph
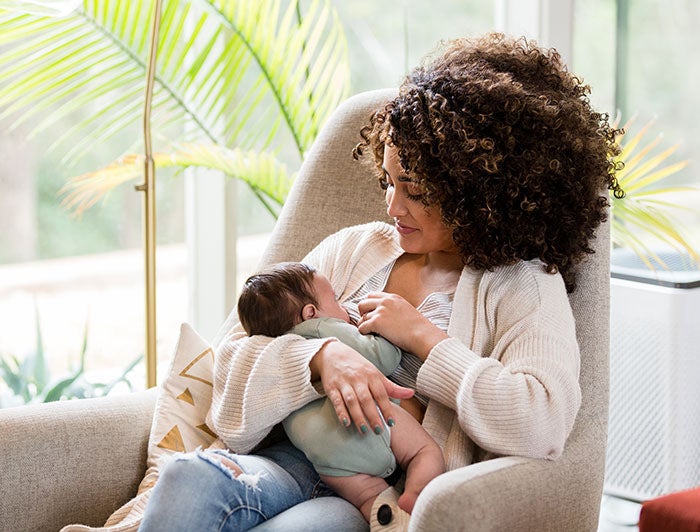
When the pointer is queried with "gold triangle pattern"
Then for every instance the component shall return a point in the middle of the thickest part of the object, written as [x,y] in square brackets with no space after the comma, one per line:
[189,366]
[186,396]
[204,428]
[172,441]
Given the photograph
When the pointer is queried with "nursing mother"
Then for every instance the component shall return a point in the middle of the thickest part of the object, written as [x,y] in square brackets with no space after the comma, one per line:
[495,170]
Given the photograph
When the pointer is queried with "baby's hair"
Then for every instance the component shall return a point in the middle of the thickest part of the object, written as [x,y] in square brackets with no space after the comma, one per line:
[271,301]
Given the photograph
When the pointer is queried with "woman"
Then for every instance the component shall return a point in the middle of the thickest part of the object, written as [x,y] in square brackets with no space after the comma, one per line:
[494,168]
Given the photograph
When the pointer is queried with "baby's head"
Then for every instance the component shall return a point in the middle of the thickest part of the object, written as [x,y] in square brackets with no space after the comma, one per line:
[281,296]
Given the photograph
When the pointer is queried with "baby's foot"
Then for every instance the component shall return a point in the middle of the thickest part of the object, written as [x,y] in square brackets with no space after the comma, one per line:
[407,501]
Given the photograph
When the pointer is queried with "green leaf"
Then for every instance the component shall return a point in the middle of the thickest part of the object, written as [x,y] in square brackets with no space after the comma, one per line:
[261,170]
[642,214]
[231,72]
[123,377]
[41,373]
[59,390]
[11,374]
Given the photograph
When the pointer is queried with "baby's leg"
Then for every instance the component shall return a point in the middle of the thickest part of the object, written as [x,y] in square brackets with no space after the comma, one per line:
[417,453]
[360,490]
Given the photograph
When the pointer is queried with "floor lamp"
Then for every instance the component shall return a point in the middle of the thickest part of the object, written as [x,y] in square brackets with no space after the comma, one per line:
[148,189]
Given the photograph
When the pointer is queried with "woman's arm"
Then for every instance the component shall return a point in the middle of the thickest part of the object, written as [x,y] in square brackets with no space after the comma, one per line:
[521,394]
[258,381]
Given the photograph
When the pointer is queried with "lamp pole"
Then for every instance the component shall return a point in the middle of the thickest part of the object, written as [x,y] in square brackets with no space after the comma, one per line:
[149,205]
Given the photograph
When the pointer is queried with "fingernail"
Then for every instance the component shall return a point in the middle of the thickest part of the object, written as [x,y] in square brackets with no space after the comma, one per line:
[391,422]
[345,421]
[364,429]
[377,429]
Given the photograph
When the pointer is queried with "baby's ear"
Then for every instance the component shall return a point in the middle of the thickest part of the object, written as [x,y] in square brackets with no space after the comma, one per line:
[309,311]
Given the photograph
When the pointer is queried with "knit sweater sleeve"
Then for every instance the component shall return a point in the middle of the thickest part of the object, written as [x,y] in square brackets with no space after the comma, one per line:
[520,394]
[258,381]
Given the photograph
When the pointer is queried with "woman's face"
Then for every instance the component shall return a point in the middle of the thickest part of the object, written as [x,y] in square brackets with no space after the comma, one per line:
[420,228]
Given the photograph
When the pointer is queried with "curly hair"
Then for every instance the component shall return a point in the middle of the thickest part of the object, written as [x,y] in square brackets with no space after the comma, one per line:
[503,139]
[271,300]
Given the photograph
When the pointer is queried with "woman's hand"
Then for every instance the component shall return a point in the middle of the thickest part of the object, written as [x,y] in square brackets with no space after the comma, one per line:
[355,387]
[394,318]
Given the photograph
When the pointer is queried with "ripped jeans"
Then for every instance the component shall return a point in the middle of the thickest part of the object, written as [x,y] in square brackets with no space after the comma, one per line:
[279,490]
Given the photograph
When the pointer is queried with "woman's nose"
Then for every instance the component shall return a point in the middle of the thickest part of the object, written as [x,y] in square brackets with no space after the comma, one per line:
[395,207]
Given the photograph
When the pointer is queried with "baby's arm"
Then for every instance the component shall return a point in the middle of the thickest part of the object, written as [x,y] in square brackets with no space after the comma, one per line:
[379,351]
[417,453]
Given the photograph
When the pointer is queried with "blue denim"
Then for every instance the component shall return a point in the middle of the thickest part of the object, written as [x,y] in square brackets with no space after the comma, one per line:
[279,490]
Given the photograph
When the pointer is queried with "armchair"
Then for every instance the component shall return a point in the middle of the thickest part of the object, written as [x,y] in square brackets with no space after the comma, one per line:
[77,462]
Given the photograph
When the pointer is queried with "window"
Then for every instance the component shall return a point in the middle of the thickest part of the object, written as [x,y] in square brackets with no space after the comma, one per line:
[640,57]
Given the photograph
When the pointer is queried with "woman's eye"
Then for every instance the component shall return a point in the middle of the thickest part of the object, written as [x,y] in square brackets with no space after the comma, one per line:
[414,191]
[384,183]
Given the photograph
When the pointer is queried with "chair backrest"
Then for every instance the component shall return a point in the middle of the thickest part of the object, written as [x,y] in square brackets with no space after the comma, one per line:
[334,191]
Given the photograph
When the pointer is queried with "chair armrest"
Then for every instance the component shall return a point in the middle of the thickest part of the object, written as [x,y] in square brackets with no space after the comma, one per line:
[511,493]
[72,461]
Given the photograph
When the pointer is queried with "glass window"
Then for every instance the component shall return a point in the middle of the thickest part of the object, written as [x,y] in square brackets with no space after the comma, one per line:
[640,57]
[73,275]
[387,39]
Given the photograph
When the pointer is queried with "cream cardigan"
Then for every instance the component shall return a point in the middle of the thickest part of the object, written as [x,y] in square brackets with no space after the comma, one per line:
[504,383]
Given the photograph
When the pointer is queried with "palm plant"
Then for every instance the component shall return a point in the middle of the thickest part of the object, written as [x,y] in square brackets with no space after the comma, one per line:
[234,79]
[644,212]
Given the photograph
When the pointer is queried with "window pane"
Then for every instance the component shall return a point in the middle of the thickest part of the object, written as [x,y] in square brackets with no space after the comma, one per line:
[75,274]
[594,50]
[641,59]
[387,39]
[658,68]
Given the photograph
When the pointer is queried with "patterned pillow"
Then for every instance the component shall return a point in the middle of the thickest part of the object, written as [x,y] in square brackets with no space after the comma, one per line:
[184,400]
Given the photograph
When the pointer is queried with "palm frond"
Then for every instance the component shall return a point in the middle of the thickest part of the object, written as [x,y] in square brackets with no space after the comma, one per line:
[642,213]
[230,72]
[261,170]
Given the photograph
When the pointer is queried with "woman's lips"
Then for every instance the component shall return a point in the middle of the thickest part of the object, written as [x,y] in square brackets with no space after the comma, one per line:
[405,230]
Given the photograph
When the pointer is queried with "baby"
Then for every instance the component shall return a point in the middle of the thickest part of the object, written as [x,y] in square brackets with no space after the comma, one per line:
[293,297]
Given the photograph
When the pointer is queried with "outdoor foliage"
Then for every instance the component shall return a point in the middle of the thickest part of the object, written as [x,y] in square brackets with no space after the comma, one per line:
[30,381]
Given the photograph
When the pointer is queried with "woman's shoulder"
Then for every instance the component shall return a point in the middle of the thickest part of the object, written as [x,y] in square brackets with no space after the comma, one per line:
[525,291]
[527,279]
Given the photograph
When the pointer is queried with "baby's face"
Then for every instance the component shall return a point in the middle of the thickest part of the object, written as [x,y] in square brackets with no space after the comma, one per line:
[328,305]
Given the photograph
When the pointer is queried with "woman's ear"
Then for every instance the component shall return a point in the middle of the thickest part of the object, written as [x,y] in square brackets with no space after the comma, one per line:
[309,311]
